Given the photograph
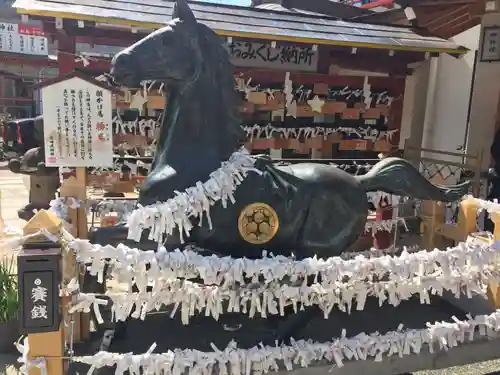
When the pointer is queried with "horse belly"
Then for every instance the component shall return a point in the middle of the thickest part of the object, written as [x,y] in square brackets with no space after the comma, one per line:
[337,210]
[227,238]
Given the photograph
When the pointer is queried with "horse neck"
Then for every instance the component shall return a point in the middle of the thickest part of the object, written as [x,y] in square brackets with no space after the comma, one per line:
[187,139]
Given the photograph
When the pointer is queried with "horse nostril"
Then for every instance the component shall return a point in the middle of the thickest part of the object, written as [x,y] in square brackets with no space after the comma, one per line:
[122,61]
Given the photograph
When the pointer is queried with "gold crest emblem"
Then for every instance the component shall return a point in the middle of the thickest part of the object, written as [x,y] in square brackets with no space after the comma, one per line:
[258,223]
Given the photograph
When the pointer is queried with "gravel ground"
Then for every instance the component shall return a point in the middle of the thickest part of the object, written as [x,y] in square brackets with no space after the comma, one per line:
[482,368]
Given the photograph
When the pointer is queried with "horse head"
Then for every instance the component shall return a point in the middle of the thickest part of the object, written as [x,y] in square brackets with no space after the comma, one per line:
[170,54]
[201,125]
[191,60]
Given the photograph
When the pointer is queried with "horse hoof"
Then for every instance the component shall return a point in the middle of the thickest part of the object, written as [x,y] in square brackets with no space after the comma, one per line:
[25,214]
[110,194]
[14,166]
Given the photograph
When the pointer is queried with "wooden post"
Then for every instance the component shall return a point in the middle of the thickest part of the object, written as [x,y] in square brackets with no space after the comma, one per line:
[476,182]
[467,218]
[383,239]
[494,288]
[75,187]
[433,218]
[48,344]
[66,45]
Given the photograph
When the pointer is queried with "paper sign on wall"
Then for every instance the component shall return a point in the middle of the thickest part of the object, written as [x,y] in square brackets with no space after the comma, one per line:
[18,38]
[77,124]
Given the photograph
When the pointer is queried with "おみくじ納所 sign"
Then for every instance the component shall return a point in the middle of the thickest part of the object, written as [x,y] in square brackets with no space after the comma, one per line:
[77,124]
[265,55]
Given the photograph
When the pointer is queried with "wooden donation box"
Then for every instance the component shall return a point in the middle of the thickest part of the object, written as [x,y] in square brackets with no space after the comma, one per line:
[39,274]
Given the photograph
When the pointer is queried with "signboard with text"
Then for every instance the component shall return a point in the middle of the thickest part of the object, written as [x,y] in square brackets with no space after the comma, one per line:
[77,124]
[38,280]
[264,55]
[18,38]
[490,50]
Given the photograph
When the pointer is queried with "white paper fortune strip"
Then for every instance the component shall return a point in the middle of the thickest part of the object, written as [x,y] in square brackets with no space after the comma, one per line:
[191,298]
[267,132]
[262,359]
[129,265]
[488,206]
[163,218]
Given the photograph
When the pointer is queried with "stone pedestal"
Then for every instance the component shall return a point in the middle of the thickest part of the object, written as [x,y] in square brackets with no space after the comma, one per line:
[43,188]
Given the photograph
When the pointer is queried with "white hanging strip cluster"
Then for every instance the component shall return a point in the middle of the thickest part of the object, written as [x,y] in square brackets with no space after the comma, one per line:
[262,359]
[59,206]
[16,242]
[384,225]
[125,207]
[267,132]
[163,218]
[129,265]
[271,299]
[377,253]
[84,302]
[28,364]
[121,207]
[488,206]
[378,197]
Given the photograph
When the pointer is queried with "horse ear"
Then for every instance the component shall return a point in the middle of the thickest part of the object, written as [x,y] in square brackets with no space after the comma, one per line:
[183,12]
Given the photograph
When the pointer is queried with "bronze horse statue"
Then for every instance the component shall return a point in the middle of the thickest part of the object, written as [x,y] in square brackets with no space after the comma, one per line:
[316,209]
[321,210]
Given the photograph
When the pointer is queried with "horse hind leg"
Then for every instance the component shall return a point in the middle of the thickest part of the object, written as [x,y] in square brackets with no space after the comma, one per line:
[332,225]
[325,233]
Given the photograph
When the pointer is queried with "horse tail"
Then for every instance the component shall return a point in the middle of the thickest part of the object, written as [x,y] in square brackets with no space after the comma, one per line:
[397,176]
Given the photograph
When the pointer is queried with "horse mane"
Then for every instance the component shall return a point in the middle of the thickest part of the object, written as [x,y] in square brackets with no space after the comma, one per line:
[216,64]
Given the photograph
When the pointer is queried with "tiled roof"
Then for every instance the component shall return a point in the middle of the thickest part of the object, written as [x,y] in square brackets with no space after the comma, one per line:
[243,22]
[281,8]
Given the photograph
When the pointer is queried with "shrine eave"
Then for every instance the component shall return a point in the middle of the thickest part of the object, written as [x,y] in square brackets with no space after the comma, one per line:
[233,21]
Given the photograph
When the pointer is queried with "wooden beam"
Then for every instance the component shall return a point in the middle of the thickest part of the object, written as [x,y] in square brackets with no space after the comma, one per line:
[461,27]
[267,76]
[25,60]
[374,61]
[66,53]
[61,13]
[444,15]
[379,62]
[94,35]
[442,2]
[464,18]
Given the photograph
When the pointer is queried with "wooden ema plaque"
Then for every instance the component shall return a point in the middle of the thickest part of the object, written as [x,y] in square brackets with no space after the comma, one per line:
[247,107]
[132,140]
[372,113]
[256,97]
[111,182]
[382,145]
[351,113]
[156,102]
[331,108]
[354,144]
